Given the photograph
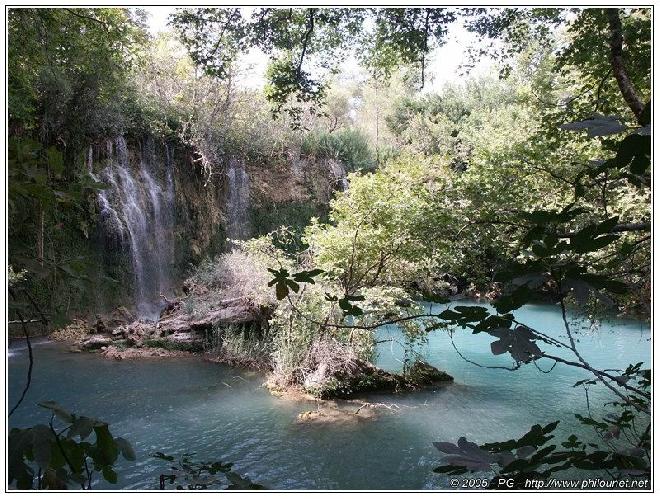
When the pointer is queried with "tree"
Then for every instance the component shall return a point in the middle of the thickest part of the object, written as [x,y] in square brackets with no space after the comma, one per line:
[306,44]
[566,252]
[68,73]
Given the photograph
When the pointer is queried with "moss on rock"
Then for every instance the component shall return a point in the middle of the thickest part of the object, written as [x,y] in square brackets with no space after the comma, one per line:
[423,374]
[368,378]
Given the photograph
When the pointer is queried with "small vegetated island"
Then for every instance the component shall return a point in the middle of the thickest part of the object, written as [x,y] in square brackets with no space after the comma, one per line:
[371,240]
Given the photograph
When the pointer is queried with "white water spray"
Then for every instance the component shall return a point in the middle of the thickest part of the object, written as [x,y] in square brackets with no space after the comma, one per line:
[138,208]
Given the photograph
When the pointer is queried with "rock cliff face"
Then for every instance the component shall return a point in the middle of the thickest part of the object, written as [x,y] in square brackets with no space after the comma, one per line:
[161,212]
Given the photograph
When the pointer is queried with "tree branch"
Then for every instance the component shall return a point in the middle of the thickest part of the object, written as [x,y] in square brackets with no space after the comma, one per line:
[616,59]
[631,227]
[88,18]
[31,357]
[585,365]
[308,35]
[425,48]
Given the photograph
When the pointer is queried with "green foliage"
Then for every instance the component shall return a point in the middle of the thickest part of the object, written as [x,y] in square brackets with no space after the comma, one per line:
[562,251]
[52,228]
[294,216]
[467,124]
[295,37]
[283,284]
[554,256]
[172,345]
[248,345]
[622,450]
[46,457]
[186,473]
[69,73]
[346,145]
[492,183]
[582,63]
[66,66]
[285,79]
[405,36]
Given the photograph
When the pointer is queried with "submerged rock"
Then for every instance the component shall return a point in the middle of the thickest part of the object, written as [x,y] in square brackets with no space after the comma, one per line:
[334,415]
[116,353]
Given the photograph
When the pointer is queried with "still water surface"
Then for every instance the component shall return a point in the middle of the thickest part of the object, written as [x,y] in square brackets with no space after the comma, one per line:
[221,413]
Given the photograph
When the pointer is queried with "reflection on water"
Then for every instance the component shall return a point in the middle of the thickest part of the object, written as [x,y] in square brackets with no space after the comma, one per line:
[185,405]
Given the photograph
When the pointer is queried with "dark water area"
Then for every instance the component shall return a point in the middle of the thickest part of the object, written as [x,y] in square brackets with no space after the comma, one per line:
[189,405]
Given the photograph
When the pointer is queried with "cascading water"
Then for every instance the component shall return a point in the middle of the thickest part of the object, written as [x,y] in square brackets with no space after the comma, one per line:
[238,201]
[137,210]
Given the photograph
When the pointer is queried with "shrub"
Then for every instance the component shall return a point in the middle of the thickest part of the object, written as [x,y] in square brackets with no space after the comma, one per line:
[241,273]
[346,145]
[242,344]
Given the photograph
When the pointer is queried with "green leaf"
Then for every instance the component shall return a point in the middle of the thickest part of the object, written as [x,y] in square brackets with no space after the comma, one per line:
[449,315]
[493,322]
[295,287]
[348,308]
[58,410]
[281,290]
[82,426]
[75,454]
[106,446]
[603,282]
[42,438]
[307,275]
[516,299]
[125,448]
[109,474]
[471,313]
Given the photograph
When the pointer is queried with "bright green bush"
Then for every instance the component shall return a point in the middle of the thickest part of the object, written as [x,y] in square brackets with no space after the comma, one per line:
[347,145]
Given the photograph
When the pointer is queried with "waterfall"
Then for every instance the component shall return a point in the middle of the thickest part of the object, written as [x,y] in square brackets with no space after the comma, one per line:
[138,209]
[238,200]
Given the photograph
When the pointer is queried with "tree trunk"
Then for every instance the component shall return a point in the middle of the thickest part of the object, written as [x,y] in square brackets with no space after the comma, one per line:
[40,235]
[616,59]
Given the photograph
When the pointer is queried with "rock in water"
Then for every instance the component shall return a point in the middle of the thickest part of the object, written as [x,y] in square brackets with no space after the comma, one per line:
[96,342]
[334,371]
[76,332]
[423,374]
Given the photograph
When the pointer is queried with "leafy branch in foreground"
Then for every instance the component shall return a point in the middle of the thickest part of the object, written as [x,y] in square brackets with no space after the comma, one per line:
[623,451]
[186,473]
[61,457]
